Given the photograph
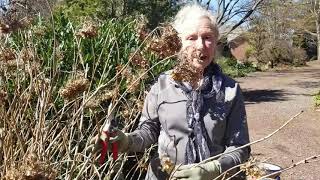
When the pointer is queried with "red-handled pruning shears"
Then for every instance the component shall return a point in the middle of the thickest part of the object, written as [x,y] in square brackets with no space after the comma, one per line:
[109,131]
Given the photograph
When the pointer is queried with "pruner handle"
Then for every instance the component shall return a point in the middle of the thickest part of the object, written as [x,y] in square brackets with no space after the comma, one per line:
[114,147]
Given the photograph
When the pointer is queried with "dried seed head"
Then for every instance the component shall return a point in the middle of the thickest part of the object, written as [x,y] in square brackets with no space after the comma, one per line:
[252,170]
[125,113]
[166,164]
[7,54]
[100,98]
[88,30]
[14,24]
[4,29]
[3,96]
[138,60]
[167,45]
[126,72]
[184,71]
[74,87]
[32,169]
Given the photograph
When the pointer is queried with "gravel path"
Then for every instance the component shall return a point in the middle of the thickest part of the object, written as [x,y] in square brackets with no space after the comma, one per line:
[273,98]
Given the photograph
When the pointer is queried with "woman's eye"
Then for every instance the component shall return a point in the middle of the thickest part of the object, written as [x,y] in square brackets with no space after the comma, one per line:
[207,37]
[191,38]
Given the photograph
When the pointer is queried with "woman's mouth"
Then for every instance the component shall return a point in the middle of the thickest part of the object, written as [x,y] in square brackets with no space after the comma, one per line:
[201,58]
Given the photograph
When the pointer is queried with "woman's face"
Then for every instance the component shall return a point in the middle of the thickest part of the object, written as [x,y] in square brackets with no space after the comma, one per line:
[198,42]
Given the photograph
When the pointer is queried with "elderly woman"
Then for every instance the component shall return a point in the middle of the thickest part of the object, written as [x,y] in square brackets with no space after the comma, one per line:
[192,121]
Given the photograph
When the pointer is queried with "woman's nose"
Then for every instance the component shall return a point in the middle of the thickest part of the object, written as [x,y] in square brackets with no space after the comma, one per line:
[199,43]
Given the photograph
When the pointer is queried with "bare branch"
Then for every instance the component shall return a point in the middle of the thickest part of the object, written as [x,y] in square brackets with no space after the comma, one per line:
[254,142]
[304,161]
[246,16]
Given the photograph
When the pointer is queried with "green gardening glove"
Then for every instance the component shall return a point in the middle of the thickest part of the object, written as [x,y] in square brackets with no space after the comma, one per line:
[205,171]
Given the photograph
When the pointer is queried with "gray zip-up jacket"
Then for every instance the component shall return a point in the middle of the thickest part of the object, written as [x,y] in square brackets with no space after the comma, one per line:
[163,121]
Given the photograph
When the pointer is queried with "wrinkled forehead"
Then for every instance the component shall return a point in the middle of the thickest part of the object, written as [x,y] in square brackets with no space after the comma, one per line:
[193,24]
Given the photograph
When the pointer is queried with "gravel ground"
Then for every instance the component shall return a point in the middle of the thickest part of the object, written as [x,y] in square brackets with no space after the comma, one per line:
[274,97]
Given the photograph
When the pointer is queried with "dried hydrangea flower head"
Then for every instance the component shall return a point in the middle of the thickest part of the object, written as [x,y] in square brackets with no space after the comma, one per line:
[89,30]
[14,24]
[3,96]
[184,71]
[166,164]
[74,87]
[4,28]
[168,44]
[32,168]
[7,54]
[137,59]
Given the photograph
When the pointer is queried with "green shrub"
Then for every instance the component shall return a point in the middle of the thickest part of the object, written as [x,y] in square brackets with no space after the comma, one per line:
[316,99]
[234,69]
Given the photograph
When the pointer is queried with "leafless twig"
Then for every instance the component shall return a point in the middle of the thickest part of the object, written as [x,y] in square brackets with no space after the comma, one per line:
[304,161]
[254,142]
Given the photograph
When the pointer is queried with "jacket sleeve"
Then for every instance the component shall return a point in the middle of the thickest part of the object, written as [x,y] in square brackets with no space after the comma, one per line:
[148,130]
[236,134]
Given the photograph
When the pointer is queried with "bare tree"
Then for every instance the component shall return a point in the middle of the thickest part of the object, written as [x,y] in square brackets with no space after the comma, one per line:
[315,10]
[232,13]
[308,19]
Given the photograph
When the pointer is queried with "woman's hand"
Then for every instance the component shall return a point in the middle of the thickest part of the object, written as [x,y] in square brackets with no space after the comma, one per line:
[118,137]
[205,171]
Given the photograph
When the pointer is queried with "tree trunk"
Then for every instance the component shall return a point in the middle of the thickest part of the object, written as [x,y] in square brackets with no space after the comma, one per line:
[318,37]
[317,10]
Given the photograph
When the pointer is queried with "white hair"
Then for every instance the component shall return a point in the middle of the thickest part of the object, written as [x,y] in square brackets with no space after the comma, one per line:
[191,12]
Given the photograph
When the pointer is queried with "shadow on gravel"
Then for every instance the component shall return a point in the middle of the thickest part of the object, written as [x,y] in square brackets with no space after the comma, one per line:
[257,96]
[307,84]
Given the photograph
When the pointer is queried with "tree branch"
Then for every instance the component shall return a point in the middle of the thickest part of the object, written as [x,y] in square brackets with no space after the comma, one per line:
[304,161]
[246,16]
[254,142]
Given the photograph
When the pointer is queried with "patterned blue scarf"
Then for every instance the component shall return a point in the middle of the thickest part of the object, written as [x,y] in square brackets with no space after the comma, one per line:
[199,144]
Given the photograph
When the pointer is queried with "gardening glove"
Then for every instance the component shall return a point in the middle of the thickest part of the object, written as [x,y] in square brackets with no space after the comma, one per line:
[205,171]
[119,137]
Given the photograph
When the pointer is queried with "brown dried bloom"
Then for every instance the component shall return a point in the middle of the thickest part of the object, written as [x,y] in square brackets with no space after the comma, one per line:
[138,60]
[74,87]
[14,24]
[8,60]
[252,169]
[32,169]
[4,28]
[167,45]
[88,30]
[166,164]
[7,54]
[125,70]
[184,71]
[100,98]
[3,96]
[26,59]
